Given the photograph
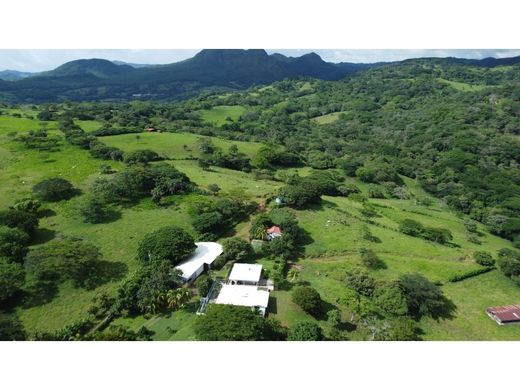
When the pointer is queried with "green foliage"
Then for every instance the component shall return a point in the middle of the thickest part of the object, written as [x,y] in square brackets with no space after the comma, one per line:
[12,278]
[203,284]
[370,259]
[470,274]
[54,189]
[483,258]
[22,220]
[422,296]
[66,258]
[390,298]
[360,281]
[416,229]
[231,323]
[509,262]
[168,243]
[95,210]
[308,299]
[11,329]
[305,331]
[39,140]
[143,156]
[120,333]
[13,243]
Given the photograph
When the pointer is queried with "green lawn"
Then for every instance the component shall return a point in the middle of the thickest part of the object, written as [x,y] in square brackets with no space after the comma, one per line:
[327,118]
[173,145]
[89,126]
[218,115]
[464,87]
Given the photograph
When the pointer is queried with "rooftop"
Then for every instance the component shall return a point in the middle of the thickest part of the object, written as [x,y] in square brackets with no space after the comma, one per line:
[240,295]
[246,272]
[206,253]
[275,230]
[505,314]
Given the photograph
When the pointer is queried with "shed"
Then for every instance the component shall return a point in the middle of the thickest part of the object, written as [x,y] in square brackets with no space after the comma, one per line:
[240,295]
[505,314]
[273,232]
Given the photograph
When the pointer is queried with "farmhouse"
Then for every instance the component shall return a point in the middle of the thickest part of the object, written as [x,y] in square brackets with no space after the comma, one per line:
[151,129]
[273,232]
[243,295]
[200,261]
[505,314]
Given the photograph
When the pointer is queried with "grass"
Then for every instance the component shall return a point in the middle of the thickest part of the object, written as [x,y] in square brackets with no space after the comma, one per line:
[327,118]
[89,126]
[174,145]
[219,115]
[464,87]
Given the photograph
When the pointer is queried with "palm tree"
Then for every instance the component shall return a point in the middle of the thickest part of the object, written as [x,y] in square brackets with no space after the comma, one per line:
[293,275]
[176,299]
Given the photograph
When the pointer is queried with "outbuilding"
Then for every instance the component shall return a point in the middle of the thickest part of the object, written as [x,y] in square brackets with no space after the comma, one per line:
[242,295]
[505,314]
[273,232]
[200,261]
[245,274]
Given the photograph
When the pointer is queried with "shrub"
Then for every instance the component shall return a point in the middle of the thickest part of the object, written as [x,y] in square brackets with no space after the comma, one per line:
[54,189]
[370,259]
[12,278]
[203,284]
[143,156]
[348,189]
[360,281]
[307,298]
[13,243]
[509,262]
[95,210]
[422,296]
[484,258]
[305,331]
[390,298]
[470,274]
[168,243]
[23,220]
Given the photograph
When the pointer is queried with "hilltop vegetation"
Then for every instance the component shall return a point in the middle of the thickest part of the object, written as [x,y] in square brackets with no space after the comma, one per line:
[400,189]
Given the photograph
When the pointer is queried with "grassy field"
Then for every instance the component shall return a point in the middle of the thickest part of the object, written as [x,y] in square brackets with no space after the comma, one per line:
[174,145]
[337,230]
[219,115]
[327,118]
[464,87]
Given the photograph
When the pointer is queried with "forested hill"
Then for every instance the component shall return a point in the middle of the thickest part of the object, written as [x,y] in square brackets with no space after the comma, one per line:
[454,127]
[98,79]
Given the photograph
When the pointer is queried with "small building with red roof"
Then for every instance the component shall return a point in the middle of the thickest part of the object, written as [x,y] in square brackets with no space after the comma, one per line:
[273,232]
[503,315]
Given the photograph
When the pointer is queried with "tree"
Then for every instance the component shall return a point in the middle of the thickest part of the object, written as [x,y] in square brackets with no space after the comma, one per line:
[11,328]
[12,278]
[237,249]
[168,243]
[207,222]
[203,285]
[176,299]
[305,331]
[23,220]
[143,156]
[411,227]
[307,298]
[95,210]
[422,296]
[509,262]
[390,298]
[66,258]
[230,323]
[54,189]
[370,259]
[360,281]
[13,243]
[483,258]
[121,333]
[214,189]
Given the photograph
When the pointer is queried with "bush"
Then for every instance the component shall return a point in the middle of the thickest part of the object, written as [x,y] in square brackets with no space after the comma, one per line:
[143,156]
[360,281]
[22,220]
[12,278]
[95,210]
[13,243]
[237,249]
[305,331]
[11,328]
[169,243]
[348,189]
[308,299]
[203,284]
[509,262]
[370,259]
[390,298]
[470,274]
[54,189]
[484,258]
[422,296]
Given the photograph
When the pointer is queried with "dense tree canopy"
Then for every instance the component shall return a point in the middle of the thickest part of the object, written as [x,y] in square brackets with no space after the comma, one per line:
[168,243]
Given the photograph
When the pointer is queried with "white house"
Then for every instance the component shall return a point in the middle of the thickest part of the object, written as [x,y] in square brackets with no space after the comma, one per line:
[200,261]
[246,274]
[243,295]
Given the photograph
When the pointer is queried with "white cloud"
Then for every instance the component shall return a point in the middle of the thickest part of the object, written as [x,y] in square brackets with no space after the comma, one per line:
[41,59]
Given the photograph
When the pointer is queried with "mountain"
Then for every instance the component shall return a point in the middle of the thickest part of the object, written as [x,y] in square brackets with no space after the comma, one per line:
[133,65]
[12,75]
[212,70]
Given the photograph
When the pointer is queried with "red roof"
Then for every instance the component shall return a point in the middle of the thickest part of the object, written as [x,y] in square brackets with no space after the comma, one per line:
[274,229]
[505,314]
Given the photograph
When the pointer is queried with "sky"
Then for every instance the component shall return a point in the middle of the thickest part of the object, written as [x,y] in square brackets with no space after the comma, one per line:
[38,60]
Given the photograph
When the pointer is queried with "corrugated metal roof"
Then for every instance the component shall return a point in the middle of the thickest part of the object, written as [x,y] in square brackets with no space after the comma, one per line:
[505,314]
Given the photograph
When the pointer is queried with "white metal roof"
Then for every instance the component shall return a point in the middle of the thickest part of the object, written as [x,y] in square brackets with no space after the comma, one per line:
[246,272]
[240,295]
[206,253]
